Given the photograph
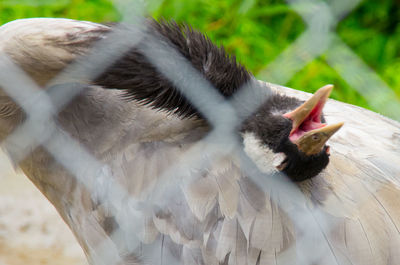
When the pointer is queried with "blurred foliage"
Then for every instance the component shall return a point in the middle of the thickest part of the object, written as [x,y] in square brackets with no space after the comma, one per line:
[256,31]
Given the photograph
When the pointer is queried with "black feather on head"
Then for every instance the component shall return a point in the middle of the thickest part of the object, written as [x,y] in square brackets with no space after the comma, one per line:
[270,125]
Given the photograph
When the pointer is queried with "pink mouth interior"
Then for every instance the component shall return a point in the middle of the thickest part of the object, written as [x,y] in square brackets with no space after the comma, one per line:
[312,122]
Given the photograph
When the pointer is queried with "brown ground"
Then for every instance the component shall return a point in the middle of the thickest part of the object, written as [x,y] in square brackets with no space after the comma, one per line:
[31,231]
[26,255]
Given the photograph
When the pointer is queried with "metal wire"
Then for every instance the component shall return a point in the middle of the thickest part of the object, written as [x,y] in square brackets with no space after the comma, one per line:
[40,128]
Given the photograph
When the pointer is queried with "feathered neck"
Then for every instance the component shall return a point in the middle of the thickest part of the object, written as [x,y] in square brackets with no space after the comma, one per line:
[134,73]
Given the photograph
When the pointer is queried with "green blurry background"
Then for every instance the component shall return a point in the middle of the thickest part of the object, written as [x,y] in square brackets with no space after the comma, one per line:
[256,31]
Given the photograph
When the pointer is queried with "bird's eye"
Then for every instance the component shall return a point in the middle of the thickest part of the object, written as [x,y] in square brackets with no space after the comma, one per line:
[315,137]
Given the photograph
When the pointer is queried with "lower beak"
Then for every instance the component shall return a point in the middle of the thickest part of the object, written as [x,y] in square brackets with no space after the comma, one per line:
[313,142]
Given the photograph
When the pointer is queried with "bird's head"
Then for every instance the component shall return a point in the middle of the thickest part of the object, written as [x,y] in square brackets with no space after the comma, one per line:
[295,131]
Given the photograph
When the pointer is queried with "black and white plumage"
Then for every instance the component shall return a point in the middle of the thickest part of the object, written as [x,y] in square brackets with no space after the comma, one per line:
[236,223]
[143,82]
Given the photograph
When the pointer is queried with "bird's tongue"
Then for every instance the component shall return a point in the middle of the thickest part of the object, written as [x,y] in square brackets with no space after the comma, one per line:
[309,126]
[312,122]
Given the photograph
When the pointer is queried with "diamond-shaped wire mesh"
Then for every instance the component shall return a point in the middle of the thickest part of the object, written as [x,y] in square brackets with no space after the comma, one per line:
[41,129]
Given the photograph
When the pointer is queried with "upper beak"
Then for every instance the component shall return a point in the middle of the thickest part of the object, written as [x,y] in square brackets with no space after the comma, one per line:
[309,114]
[317,102]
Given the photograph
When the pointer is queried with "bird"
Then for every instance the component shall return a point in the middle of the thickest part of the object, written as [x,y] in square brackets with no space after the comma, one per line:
[134,120]
[282,124]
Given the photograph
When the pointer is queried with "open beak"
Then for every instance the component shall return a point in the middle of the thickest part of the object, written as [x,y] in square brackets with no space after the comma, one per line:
[308,132]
